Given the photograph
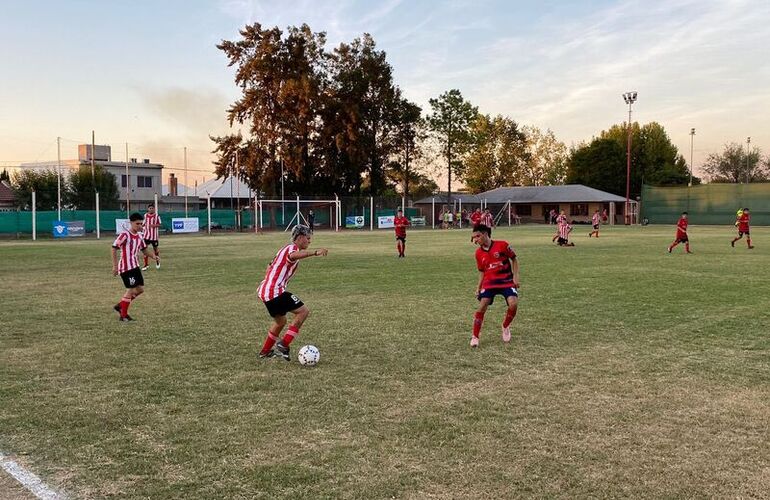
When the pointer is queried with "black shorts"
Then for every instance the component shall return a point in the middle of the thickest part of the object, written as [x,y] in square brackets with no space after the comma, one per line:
[132,278]
[286,302]
[596,227]
[402,238]
[562,241]
[682,240]
[491,292]
[154,243]
[741,233]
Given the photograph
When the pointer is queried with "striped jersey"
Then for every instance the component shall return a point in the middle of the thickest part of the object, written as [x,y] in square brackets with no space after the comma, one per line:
[278,274]
[129,244]
[486,219]
[595,219]
[564,230]
[495,263]
[151,233]
[561,219]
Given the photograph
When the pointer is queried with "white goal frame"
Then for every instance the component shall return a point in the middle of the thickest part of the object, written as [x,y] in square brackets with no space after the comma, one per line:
[335,211]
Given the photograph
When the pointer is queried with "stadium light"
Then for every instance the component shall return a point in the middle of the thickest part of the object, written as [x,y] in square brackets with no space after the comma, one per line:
[630,98]
[692,138]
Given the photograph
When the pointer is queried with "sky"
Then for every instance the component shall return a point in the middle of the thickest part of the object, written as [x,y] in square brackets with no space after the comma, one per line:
[147,73]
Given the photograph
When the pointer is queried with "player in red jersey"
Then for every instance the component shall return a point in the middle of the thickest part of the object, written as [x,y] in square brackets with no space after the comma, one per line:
[681,234]
[742,221]
[496,261]
[400,223]
[151,225]
[475,217]
[278,301]
[129,243]
[595,220]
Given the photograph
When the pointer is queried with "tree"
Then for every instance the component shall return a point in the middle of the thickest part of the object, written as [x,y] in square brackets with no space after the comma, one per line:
[600,164]
[408,136]
[654,160]
[83,185]
[4,176]
[451,121]
[731,165]
[548,156]
[44,183]
[367,107]
[497,156]
[281,81]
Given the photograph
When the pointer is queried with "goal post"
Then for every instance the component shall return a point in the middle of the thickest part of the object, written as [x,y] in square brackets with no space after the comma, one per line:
[284,214]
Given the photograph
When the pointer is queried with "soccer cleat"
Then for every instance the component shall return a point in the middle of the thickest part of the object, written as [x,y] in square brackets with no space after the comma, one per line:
[669,249]
[116,308]
[157,265]
[283,350]
[507,334]
[732,243]
[268,354]
[474,341]
[751,247]
[126,318]
[144,268]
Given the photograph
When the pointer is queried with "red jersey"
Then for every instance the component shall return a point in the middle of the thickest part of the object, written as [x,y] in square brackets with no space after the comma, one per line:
[151,233]
[400,224]
[681,228]
[475,218]
[743,223]
[278,274]
[495,263]
[129,244]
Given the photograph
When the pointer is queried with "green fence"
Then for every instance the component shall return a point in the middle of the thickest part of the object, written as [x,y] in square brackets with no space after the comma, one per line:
[706,204]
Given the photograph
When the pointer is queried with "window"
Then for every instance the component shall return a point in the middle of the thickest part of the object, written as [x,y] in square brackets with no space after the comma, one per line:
[578,209]
[523,210]
[123,180]
[144,181]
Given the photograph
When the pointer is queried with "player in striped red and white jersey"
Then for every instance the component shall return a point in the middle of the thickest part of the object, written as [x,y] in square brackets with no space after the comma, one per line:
[272,291]
[127,244]
[151,225]
[564,229]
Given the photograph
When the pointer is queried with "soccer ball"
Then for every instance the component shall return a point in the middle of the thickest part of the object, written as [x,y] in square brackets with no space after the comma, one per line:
[308,355]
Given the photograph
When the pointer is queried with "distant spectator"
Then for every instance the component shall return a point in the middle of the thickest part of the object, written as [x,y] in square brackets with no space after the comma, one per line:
[486,219]
[475,217]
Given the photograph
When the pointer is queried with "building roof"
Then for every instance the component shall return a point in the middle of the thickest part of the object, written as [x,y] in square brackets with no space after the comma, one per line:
[6,193]
[570,193]
[217,188]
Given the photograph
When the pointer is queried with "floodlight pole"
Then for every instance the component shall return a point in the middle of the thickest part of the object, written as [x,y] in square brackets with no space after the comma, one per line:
[58,177]
[692,138]
[630,98]
[748,168]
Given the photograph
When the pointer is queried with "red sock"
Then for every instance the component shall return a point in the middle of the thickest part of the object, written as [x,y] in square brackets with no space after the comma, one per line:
[124,303]
[478,319]
[686,247]
[509,315]
[145,261]
[292,332]
[269,342]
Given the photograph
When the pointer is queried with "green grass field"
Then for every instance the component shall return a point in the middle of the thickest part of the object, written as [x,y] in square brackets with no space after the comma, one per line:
[632,372]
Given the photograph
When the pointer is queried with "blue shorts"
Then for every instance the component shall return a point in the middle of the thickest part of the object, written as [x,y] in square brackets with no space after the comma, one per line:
[491,292]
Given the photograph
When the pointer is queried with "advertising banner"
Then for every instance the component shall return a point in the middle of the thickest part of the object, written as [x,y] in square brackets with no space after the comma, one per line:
[122,225]
[354,221]
[69,229]
[185,225]
[386,221]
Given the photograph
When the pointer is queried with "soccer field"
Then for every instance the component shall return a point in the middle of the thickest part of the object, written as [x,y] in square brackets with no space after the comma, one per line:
[632,372]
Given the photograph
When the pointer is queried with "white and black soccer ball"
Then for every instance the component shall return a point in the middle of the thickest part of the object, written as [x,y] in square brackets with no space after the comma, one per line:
[308,355]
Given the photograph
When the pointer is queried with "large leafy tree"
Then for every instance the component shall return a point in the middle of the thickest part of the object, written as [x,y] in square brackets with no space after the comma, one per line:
[367,107]
[45,185]
[547,165]
[281,80]
[733,164]
[83,185]
[654,160]
[450,121]
[407,145]
[4,176]
[497,156]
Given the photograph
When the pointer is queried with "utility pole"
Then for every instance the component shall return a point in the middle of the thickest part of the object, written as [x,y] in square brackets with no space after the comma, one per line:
[185,181]
[58,177]
[748,153]
[692,138]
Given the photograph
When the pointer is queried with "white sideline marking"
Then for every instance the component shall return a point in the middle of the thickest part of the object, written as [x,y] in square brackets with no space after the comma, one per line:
[27,479]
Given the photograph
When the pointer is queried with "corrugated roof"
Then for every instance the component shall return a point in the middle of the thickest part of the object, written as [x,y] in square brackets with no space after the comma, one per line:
[218,188]
[570,193]
[6,192]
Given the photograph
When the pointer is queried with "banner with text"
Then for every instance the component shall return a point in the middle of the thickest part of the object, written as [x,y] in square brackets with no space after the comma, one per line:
[354,221]
[385,221]
[68,229]
[185,225]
